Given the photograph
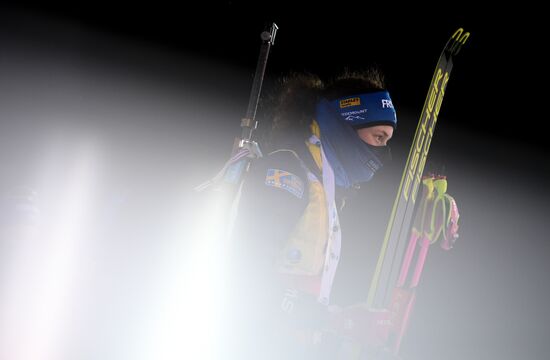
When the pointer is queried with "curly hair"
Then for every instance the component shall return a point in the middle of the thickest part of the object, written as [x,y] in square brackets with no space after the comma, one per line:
[290,107]
[355,82]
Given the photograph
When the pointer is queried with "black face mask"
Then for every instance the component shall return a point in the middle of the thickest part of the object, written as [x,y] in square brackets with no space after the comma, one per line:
[383,153]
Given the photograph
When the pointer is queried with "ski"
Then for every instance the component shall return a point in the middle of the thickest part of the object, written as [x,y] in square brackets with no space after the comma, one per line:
[395,240]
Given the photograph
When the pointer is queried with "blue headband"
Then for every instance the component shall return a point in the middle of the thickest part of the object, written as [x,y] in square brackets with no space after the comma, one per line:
[367,109]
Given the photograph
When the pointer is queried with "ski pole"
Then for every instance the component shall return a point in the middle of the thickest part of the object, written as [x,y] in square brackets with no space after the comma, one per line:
[418,228]
[442,222]
[437,222]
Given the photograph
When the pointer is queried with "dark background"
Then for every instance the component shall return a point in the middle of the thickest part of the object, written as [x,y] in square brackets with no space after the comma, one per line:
[405,44]
[485,299]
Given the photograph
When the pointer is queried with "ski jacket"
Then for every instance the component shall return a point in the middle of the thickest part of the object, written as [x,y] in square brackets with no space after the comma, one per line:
[284,242]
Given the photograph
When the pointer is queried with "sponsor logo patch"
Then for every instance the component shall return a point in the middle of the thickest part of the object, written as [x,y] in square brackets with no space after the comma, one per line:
[286,181]
[350,102]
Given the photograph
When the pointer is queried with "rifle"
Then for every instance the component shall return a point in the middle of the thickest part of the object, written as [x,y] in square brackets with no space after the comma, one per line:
[245,149]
